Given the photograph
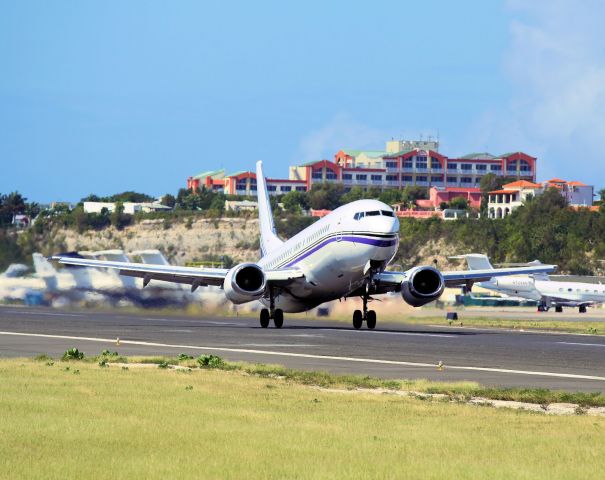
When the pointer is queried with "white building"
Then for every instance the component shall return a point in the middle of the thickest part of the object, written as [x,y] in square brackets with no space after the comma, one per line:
[129,207]
[502,202]
[241,206]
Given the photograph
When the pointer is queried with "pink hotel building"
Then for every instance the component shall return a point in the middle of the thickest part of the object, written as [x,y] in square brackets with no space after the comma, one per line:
[403,163]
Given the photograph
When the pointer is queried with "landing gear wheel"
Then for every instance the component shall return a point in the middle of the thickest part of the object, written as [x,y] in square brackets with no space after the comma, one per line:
[264,318]
[371,319]
[278,318]
[357,319]
[582,309]
[559,309]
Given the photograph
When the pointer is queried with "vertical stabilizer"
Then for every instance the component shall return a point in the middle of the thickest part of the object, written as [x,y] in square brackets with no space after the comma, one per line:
[268,238]
[476,261]
[42,266]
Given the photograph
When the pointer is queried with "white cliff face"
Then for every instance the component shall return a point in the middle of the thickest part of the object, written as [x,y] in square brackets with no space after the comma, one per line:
[180,243]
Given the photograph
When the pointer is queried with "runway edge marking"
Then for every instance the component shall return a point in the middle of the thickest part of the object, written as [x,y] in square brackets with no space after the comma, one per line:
[309,355]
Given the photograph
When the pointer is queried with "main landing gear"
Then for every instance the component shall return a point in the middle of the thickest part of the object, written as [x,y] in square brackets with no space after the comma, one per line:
[582,308]
[368,315]
[277,314]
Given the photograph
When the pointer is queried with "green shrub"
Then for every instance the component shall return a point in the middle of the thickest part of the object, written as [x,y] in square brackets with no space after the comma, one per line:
[72,354]
[210,361]
[163,364]
[183,357]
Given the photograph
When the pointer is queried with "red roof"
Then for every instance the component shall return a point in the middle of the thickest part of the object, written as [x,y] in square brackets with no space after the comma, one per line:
[577,184]
[522,184]
[505,191]
[556,180]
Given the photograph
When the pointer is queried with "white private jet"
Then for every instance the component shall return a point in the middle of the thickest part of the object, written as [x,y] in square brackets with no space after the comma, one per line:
[344,254]
[539,287]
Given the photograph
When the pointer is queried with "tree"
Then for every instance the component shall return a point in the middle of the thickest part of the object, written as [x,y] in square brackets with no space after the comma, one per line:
[325,196]
[356,193]
[459,203]
[116,215]
[295,201]
[169,200]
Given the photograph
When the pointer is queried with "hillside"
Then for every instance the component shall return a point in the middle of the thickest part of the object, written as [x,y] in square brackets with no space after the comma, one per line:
[181,241]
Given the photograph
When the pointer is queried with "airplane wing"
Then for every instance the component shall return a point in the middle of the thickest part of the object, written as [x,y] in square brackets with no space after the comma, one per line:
[464,277]
[389,281]
[194,276]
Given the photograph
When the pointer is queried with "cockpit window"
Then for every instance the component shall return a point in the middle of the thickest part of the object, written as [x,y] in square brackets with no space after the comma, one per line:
[373,213]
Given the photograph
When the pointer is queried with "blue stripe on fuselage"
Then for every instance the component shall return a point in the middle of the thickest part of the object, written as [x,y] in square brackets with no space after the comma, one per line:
[366,241]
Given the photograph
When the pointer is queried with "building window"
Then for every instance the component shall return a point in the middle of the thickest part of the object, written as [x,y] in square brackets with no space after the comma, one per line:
[271,188]
[481,168]
[524,166]
[347,176]
[376,178]
[452,166]
[240,186]
[408,164]
[391,164]
[421,162]
[466,166]
[286,188]
[406,178]
[317,175]
[301,189]
[391,178]
[253,188]
[436,179]
[330,175]
[495,168]
[361,177]
[421,178]
[452,180]
[466,180]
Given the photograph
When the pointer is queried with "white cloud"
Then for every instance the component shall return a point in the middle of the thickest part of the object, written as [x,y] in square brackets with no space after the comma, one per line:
[556,63]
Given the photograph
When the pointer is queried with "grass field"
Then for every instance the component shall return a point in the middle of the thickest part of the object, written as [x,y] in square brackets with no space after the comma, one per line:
[592,328]
[88,421]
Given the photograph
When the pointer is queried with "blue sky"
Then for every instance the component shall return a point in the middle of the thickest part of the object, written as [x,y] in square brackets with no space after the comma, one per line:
[137,95]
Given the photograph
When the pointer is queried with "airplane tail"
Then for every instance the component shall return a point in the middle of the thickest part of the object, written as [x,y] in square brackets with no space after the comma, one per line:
[42,266]
[476,261]
[268,236]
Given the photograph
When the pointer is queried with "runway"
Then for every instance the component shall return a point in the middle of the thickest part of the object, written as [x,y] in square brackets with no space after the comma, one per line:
[393,350]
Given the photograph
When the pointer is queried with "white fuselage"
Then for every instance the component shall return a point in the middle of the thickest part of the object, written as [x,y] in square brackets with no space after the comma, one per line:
[547,291]
[335,254]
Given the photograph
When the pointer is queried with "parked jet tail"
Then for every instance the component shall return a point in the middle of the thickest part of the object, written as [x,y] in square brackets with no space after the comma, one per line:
[268,237]
[476,261]
[42,266]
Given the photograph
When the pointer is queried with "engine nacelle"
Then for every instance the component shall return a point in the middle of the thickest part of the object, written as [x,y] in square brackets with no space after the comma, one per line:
[245,282]
[422,285]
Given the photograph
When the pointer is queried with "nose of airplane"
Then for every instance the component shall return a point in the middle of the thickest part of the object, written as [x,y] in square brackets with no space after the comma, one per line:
[388,225]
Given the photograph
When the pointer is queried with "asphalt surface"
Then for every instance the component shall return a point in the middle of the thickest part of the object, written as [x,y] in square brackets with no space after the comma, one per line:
[491,357]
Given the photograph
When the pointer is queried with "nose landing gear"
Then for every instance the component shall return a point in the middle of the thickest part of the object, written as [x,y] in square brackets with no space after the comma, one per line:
[368,315]
[277,314]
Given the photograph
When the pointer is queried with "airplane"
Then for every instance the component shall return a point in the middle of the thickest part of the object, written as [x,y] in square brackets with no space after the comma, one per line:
[344,254]
[539,287]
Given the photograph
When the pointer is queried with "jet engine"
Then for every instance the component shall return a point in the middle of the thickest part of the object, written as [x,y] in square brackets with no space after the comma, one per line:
[245,282]
[422,285]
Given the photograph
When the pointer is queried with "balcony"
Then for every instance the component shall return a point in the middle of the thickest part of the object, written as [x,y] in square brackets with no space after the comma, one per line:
[422,184]
[422,170]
